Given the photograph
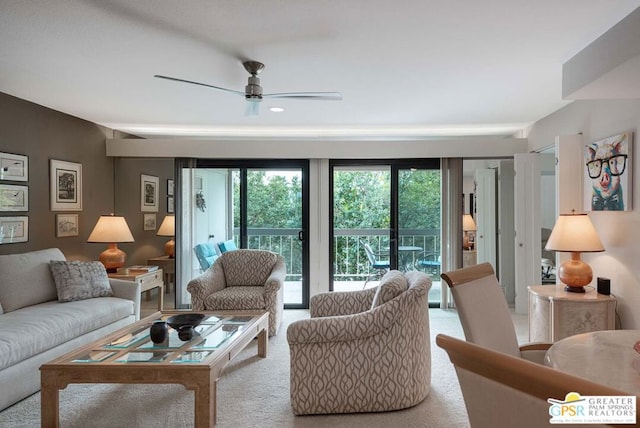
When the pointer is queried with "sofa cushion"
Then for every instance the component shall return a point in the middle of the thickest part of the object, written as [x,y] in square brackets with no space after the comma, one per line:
[206,254]
[80,280]
[239,298]
[26,278]
[35,329]
[247,267]
[392,284]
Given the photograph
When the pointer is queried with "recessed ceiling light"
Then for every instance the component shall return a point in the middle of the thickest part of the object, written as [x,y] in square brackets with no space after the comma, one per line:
[276,109]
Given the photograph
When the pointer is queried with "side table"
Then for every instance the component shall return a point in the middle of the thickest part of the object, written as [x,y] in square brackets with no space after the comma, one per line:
[555,313]
[168,266]
[469,258]
[148,281]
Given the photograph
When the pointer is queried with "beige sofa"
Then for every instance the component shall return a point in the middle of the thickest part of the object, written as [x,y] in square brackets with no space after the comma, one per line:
[363,351]
[36,328]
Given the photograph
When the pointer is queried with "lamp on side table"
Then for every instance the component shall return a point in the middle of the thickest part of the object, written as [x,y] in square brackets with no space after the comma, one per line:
[111,229]
[168,228]
[574,233]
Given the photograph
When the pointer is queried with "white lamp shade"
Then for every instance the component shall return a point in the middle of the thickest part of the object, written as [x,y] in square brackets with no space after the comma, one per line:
[574,233]
[111,229]
[168,226]
[467,223]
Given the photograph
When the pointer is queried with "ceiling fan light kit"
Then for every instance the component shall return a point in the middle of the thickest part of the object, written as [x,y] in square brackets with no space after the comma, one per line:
[253,90]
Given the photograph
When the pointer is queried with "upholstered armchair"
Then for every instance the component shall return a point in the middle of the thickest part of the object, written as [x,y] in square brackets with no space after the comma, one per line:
[363,351]
[242,280]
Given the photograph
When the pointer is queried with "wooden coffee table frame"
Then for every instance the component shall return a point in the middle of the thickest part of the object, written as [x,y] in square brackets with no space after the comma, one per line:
[201,377]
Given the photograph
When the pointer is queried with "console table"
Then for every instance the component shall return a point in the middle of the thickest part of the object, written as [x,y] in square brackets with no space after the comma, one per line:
[555,313]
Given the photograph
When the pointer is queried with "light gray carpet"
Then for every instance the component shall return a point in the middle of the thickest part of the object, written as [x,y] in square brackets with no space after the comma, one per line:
[252,392]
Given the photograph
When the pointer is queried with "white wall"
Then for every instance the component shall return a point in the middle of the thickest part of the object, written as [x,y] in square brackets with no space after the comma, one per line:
[619,231]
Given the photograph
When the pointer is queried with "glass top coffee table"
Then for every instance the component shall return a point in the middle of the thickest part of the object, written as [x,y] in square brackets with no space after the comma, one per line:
[129,356]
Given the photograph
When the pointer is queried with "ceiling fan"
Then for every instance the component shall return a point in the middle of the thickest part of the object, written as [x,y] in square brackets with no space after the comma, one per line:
[253,91]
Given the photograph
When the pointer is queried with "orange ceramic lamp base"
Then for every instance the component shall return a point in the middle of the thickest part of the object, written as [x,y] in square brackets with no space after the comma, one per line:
[575,274]
[112,258]
[170,248]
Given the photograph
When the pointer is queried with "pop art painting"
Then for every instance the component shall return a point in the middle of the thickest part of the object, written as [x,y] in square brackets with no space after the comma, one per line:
[607,174]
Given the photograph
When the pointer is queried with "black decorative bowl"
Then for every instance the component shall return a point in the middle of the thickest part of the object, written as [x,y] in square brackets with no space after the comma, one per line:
[181,321]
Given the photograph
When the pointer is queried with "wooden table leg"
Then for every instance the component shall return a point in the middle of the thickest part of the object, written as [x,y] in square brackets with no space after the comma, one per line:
[205,403]
[160,298]
[263,343]
[49,401]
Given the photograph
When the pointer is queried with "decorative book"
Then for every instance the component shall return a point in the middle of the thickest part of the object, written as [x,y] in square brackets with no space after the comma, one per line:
[141,268]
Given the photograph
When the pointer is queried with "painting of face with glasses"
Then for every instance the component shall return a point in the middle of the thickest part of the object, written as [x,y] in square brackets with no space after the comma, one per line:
[608,174]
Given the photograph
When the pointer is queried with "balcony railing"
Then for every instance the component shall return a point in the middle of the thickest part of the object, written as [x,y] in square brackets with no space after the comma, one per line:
[351,263]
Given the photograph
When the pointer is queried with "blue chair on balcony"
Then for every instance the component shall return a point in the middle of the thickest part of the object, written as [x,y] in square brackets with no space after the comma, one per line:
[206,255]
[228,245]
[377,267]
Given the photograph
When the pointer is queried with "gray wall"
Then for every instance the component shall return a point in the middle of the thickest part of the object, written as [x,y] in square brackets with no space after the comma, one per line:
[42,134]
[127,182]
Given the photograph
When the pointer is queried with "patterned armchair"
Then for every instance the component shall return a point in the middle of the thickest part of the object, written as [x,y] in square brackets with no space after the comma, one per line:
[242,280]
[363,351]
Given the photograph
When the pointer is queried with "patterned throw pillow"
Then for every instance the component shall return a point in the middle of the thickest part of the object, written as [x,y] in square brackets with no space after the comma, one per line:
[392,284]
[80,280]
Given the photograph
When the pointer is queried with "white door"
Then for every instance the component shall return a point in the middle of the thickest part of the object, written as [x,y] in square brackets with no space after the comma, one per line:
[527,224]
[486,205]
[506,229]
[569,185]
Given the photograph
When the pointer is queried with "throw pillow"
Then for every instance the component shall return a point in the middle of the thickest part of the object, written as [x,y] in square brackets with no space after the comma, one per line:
[392,284]
[80,280]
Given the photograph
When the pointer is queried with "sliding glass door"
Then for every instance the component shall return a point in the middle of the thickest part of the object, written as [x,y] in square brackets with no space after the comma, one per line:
[255,204]
[384,215]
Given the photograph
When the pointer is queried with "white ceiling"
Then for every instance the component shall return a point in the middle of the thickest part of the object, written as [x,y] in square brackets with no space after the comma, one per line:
[408,68]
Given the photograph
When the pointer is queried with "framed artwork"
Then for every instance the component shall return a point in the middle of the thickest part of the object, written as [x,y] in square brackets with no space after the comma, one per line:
[14,167]
[169,187]
[66,185]
[608,174]
[170,207]
[149,193]
[66,225]
[14,229]
[149,221]
[14,198]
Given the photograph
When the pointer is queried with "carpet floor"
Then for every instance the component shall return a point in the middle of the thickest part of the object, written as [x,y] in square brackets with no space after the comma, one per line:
[252,392]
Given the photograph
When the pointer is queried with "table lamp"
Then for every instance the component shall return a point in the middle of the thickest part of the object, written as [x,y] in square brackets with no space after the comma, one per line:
[111,229]
[468,225]
[575,234]
[168,228]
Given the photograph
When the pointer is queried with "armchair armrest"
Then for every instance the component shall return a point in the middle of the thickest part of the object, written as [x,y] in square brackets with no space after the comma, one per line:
[275,281]
[341,303]
[129,290]
[343,328]
[535,352]
[200,287]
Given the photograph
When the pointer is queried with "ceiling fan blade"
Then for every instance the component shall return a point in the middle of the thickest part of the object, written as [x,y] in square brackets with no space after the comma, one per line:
[330,96]
[175,79]
[252,108]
